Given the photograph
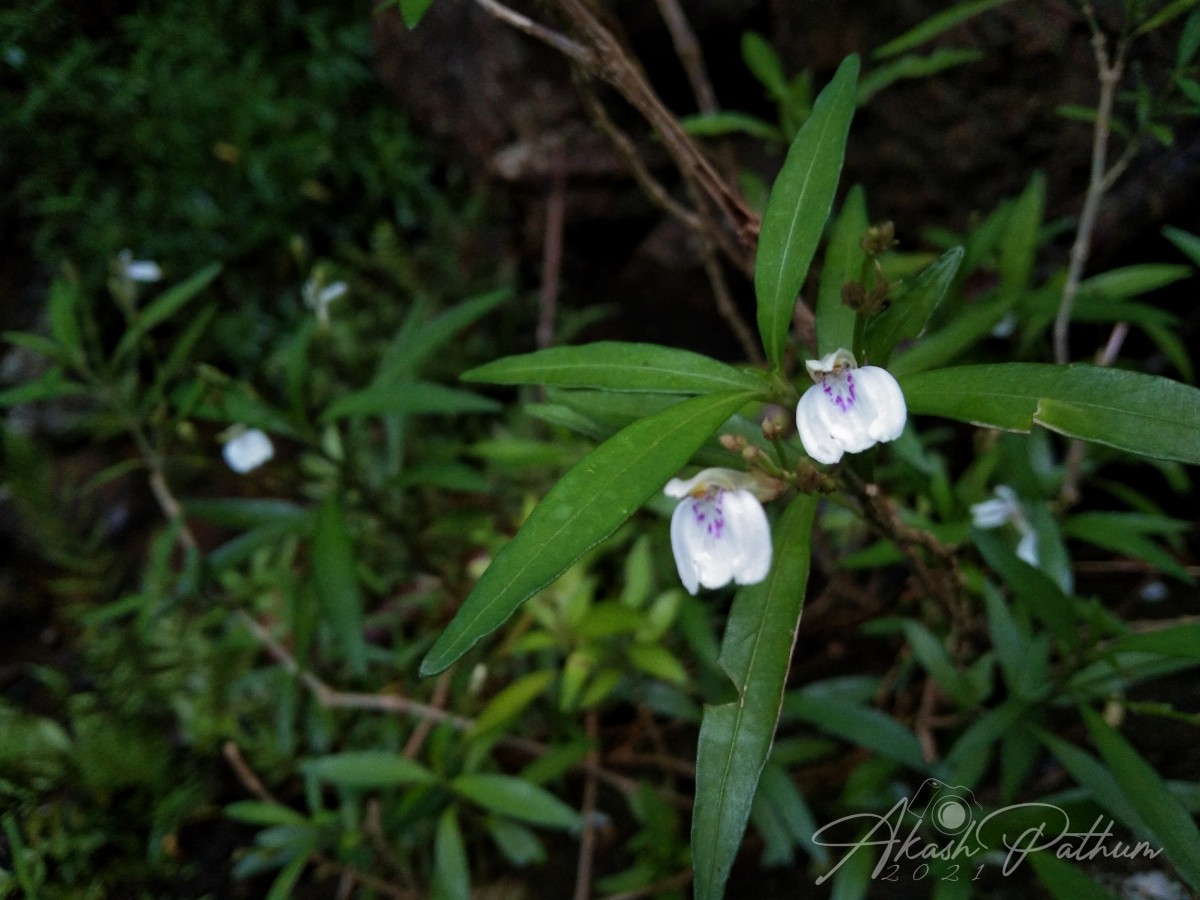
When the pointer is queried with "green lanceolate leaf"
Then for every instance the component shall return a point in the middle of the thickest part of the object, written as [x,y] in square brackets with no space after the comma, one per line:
[1145,790]
[368,770]
[835,321]
[911,311]
[933,26]
[798,207]
[587,505]
[1139,413]
[735,739]
[166,305]
[515,797]
[336,579]
[617,366]
[416,341]
[413,10]
[410,398]
[451,866]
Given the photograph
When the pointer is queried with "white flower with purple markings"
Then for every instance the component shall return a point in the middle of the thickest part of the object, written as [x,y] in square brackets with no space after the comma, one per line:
[848,409]
[719,531]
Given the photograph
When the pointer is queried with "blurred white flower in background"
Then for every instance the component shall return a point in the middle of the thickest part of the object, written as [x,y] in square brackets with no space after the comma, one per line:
[246,449]
[1005,509]
[317,297]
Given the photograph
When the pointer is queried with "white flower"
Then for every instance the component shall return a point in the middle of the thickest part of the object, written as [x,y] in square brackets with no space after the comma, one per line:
[719,531]
[142,270]
[247,449]
[848,409]
[1004,509]
[318,298]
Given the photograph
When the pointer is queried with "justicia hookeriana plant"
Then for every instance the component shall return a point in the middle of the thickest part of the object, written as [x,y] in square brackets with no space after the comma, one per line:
[720,531]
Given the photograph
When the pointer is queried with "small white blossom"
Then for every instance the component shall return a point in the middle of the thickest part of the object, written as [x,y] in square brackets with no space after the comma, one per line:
[1004,509]
[137,270]
[719,531]
[848,409]
[318,298]
[247,449]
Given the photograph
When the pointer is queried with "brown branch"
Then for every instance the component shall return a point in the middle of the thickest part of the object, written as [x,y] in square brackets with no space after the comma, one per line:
[330,698]
[441,691]
[612,64]
[254,785]
[1109,72]
[933,564]
[560,42]
[587,838]
[556,213]
[687,48]
[628,152]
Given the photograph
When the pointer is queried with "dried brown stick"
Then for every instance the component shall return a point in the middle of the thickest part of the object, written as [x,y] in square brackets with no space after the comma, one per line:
[687,48]
[330,698]
[587,837]
[556,216]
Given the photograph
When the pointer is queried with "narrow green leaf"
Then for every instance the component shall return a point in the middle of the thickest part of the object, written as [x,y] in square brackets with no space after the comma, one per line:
[1131,411]
[520,846]
[933,26]
[1187,243]
[1176,640]
[1174,828]
[912,66]
[240,512]
[799,205]
[835,321]
[1164,15]
[963,331]
[181,349]
[735,739]
[862,726]
[910,312]
[336,579]
[721,122]
[285,882]
[1189,42]
[50,385]
[510,702]
[1125,534]
[451,868]
[258,812]
[38,343]
[932,655]
[1132,281]
[413,11]
[587,505]
[517,798]
[762,60]
[368,769]
[63,309]
[1022,232]
[416,341]
[408,398]
[164,306]
[618,366]
[1093,775]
